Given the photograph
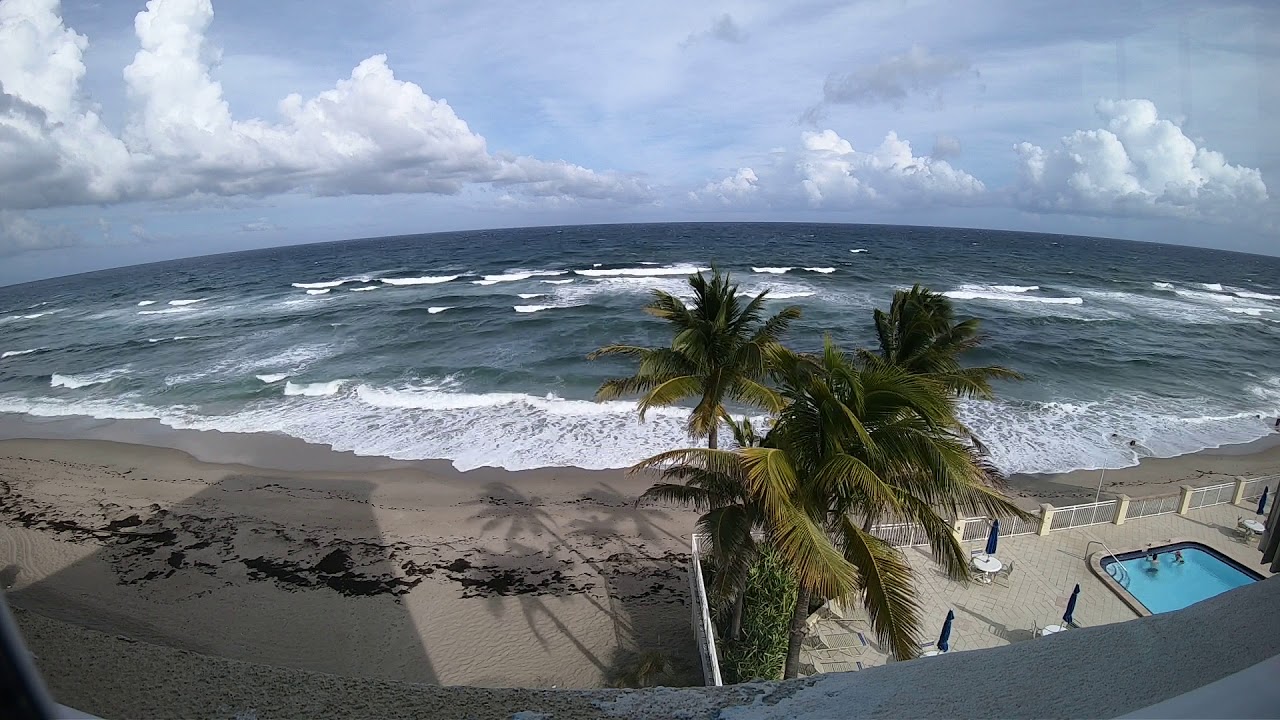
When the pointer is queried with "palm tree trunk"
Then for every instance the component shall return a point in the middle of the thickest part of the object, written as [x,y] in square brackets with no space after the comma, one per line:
[735,620]
[712,436]
[798,618]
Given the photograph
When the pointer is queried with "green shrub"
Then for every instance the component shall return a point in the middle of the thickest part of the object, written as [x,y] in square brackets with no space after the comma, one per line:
[761,650]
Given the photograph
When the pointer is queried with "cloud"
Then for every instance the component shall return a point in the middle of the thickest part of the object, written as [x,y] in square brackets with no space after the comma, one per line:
[945,146]
[372,133]
[723,28]
[894,79]
[835,175]
[259,225]
[737,188]
[1138,165]
[19,233]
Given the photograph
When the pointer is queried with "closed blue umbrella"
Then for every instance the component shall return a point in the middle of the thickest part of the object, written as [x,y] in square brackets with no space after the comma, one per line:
[944,640]
[1262,501]
[1067,618]
[993,537]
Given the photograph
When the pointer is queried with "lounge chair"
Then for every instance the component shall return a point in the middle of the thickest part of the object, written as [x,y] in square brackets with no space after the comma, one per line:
[1005,572]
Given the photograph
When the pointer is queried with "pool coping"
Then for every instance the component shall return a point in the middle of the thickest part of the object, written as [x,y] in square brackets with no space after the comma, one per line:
[1095,566]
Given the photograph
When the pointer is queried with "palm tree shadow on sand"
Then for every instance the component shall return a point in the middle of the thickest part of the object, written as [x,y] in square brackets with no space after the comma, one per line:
[606,555]
[252,567]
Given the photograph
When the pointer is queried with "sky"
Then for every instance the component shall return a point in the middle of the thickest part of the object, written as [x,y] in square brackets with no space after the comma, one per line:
[133,132]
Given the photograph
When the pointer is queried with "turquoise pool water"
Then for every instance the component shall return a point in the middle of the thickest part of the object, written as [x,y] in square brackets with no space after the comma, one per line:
[1172,585]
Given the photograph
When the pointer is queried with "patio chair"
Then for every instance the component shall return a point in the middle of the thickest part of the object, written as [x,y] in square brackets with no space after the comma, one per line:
[1006,573]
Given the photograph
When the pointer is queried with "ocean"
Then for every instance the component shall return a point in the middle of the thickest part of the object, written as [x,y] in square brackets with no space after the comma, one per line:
[471,346]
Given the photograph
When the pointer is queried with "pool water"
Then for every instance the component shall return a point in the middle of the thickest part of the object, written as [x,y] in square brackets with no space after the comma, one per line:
[1170,585]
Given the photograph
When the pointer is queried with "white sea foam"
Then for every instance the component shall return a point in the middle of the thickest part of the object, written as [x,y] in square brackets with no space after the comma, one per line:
[823,270]
[1209,296]
[1007,293]
[643,272]
[144,303]
[517,275]
[557,282]
[13,353]
[175,337]
[530,296]
[166,311]
[319,285]
[1253,312]
[72,382]
[772,270]
[364,289]
[425,280]
[318,292]
[319,389]
[187,302]
[1254,295]
[531,308]
[439,309]
[272,377]
[861,250]
[1215,287]
[1163,285]
[784,295]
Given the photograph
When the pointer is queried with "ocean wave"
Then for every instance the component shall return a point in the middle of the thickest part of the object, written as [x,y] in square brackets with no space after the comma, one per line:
[531,308]
[515,276]
[1254,295]
[318,389]
[823,270]
[144,303]
[424,280]
[558,282]
[363,289]
[1211,297]
[272,377]
[33,316]
[1252,312]
[643,272]
[438,309]
[530,296]
[180,303]
[14,353]
[72,382]
[165,311]
[1215,287]
[1163,285]
[858,250]
[772,270]
[319,285]
[1007,293]
[175,337]
[784,295]
[318,292]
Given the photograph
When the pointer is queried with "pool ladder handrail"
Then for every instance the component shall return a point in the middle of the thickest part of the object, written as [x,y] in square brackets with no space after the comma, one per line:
[1124,583]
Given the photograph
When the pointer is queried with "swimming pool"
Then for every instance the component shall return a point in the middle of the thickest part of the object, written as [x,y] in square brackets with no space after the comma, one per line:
[1171,585]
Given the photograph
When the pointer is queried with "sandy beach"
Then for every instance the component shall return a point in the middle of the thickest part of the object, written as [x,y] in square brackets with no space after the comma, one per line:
[265,550]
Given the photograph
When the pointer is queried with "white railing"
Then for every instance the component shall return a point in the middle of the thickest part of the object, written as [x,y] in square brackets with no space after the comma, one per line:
[1082,515]
[1212,495]
[976,528]
[1147,507]
[1253,487]
[703,630]
[901,534]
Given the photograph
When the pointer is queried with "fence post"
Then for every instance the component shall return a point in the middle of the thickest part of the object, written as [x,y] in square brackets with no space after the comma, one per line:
[1237,497]
[957,528]
[1184,501]
[1046,519]
[1122,509]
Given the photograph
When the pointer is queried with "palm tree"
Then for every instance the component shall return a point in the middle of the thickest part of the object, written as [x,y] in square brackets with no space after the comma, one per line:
[920,335]
[717,353]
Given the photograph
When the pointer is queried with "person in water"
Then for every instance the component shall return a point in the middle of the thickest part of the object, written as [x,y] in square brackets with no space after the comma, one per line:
[1177,557]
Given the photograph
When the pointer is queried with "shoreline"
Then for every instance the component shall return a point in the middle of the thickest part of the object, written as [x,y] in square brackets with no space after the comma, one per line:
[283,453]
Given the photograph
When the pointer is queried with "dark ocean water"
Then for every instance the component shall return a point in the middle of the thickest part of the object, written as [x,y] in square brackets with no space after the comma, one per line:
[470,346]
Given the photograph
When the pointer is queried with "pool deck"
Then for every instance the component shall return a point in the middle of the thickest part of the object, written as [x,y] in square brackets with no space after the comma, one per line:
[1046,569]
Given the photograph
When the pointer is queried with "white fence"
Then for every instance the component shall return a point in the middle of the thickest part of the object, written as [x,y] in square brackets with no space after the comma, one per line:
[901,534]
[1253,488]
[1212,495]
[703,630]
[977,528]
[1147,507]
[1082,515]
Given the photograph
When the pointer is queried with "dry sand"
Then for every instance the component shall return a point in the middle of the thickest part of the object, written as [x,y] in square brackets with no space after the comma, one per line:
[542,578]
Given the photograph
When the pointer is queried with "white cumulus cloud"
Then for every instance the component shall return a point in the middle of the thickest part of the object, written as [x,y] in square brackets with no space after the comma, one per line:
[372,133]
[834,175]
[1138,165]
[739,187]
[19,233]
